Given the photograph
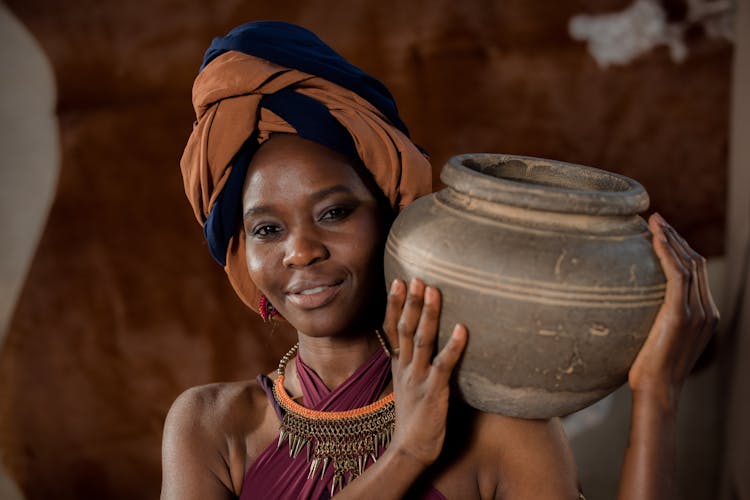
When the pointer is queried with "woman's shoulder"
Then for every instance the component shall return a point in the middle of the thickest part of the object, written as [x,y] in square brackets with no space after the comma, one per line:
[216,401]
[218,425]
[532,456]
[518,457]
[220,408]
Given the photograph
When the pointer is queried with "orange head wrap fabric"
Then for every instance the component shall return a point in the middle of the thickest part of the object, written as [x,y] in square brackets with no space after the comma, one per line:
[228,100]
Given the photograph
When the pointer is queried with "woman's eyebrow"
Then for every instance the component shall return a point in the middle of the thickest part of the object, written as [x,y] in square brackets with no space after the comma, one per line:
[260,209]
[338,188]
[315,197]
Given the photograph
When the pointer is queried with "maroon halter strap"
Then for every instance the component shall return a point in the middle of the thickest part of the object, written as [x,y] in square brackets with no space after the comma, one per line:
[274,474]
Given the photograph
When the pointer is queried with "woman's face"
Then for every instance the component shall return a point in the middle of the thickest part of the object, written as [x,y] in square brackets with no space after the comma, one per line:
[314,237]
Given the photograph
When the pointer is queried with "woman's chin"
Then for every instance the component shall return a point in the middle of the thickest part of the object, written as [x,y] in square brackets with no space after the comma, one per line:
[331,322]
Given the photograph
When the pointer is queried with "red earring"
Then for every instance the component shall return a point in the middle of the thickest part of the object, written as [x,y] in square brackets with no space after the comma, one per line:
[266,309]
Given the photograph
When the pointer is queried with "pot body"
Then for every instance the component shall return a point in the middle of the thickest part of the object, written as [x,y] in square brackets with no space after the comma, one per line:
[549,267]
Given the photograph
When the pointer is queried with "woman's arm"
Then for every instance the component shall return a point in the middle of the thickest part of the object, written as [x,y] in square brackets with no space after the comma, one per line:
[193,467]
[511,458]
[680,332]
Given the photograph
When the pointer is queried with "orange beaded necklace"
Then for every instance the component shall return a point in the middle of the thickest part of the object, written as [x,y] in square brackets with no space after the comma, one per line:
[347,439]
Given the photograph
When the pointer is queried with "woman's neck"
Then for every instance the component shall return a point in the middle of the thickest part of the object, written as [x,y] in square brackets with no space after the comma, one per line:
[335,359]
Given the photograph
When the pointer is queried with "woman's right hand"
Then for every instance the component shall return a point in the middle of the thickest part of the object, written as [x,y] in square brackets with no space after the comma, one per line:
[420,382]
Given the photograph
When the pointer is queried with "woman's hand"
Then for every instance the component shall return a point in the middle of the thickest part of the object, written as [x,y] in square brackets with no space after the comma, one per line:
[420,383]
[684,324]
[682,328]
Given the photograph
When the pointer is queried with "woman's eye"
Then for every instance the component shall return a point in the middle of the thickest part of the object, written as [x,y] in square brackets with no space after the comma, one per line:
[336,213]
[265,230]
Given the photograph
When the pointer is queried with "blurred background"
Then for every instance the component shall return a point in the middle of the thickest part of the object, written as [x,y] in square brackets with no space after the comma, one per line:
[110,305]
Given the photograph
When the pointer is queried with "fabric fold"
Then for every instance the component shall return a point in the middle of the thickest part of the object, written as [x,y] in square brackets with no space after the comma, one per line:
[242,69]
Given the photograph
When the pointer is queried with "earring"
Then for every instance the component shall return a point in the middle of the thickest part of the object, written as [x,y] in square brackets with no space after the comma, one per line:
[266,309]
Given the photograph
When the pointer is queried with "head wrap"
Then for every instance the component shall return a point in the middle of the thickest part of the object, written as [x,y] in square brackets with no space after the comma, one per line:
[270,77]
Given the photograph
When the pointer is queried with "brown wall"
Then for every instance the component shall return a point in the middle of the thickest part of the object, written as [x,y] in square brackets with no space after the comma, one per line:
[123,308]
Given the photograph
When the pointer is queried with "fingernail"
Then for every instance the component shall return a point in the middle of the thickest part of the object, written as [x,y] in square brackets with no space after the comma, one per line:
[414,286]
[430,294]
[659,234]
[455,333]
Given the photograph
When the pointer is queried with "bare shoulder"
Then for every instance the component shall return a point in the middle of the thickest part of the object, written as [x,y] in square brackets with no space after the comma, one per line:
[211,433]
[494,456]
[218,407]
[525,458]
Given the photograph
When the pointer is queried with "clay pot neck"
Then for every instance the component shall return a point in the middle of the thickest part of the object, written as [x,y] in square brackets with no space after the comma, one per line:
[544,185]
[501,214]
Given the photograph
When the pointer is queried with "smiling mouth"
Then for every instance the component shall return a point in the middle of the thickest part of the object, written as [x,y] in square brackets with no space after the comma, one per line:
[315,297]
[315,290]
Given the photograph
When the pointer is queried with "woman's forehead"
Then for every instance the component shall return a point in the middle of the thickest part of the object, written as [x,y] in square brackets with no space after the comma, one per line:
[291,166]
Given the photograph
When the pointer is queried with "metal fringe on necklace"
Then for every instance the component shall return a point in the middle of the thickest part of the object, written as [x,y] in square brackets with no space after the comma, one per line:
[346,440]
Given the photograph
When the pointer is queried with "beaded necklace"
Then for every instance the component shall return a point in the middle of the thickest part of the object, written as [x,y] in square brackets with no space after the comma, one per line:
[347,440]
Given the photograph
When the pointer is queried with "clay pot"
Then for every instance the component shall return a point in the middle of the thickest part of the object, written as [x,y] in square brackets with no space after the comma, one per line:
[550,268]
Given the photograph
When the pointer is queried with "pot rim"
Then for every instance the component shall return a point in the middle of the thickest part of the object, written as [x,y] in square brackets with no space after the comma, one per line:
[543,184]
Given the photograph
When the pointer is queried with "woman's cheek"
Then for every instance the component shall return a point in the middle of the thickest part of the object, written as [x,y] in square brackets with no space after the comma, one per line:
[258,265]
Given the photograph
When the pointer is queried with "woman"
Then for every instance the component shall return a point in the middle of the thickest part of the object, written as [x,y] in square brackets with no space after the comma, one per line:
[296,167]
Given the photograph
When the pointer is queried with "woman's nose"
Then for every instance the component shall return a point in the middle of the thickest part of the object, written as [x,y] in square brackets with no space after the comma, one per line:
[303,250]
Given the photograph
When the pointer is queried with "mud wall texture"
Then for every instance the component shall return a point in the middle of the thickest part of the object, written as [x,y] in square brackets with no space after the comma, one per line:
[123,308]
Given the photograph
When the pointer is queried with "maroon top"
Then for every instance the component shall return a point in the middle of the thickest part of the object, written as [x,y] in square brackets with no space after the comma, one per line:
[274,474]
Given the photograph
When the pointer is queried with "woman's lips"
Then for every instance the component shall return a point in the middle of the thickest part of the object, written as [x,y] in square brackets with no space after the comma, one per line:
[315,296]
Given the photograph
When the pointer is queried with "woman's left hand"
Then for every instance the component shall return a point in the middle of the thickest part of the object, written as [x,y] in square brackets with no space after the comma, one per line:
[685,323]
[421,383]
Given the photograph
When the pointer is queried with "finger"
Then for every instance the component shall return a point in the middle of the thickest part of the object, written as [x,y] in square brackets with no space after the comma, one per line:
[446,359]
[693,287]
[396,299]
[704,313]
[685,252]
[691,259]
[707,299]
[407,323]
[711,312]
[674,239]
[424,339]
[686,248]
[676,274]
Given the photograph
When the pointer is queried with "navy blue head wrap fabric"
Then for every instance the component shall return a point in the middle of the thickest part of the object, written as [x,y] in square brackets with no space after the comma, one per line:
[293,47]
[221,223]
